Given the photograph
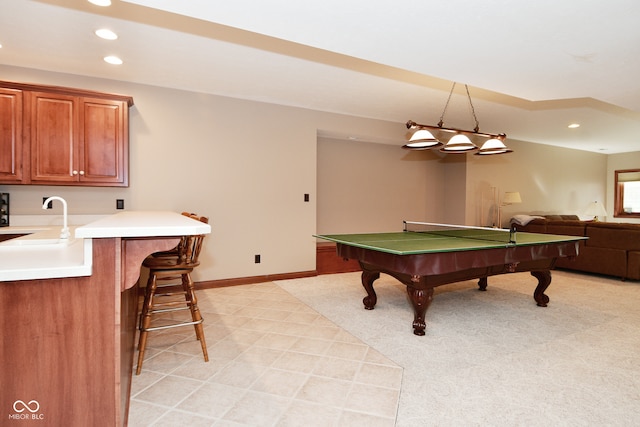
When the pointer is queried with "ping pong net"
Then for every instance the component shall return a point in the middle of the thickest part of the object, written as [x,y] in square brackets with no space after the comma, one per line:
[507,236]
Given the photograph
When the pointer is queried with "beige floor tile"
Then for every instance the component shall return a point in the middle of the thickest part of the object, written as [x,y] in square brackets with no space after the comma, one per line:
[244,336]
[344,350]
[189,346]
[311,345]
[277,341]
[357,419]
[257,409]
[309,415]
[373,400]
[274,314]
[168,391]
[142,414]
[238,374]
[279,382]
[212,400]
[380,375]
[144,380]
[179,418]
[306,318]
[297,362]
[374,356]
[274,361]
[324,332]
[325,391]
[198,369]
[341,369]
[259,356]
[165,361]
[226,349]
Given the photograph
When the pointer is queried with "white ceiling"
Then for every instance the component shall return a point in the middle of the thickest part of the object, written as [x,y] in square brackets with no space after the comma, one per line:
[532,67]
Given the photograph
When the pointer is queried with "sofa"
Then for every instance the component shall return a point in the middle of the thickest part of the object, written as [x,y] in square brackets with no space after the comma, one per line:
[611,249]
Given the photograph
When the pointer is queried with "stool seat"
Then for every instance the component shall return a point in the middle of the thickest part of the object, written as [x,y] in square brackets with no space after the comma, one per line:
[170,289]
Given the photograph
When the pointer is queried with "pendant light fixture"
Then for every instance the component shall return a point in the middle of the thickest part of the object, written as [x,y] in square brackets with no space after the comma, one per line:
[460,142]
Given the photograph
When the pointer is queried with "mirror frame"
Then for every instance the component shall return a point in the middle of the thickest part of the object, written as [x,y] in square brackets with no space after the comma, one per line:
[618,211]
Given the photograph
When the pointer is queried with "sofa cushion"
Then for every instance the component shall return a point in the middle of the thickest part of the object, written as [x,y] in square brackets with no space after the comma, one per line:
[612,262]
[568,227]
[562,217]
[613,235]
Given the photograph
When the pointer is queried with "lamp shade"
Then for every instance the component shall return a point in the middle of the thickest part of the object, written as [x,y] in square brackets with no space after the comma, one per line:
[493,146]
[511,197]
[595,210]
[422,139]
[459,143]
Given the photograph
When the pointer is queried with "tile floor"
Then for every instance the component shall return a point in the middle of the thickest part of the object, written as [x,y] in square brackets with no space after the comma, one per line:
[273,361]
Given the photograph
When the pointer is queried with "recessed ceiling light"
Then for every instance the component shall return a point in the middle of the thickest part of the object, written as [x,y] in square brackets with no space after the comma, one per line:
[106,34]
[101,2]
[574,125]
[113,60]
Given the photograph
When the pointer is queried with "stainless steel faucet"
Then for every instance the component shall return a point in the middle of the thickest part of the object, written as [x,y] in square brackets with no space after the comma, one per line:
[64,233]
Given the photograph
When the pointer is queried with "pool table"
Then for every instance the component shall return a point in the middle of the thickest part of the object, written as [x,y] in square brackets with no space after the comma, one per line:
[424,260]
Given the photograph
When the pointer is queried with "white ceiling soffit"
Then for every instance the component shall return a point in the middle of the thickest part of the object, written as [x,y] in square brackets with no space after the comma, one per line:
[532,67]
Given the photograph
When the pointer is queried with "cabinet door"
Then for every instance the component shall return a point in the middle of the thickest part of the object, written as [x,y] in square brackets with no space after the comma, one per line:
[54,124]
[104,143]
[10,136]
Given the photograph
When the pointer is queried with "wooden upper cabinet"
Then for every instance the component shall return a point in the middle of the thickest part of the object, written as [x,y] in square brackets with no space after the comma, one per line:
[71,137]
[54,138]
[103,143]
[11,136]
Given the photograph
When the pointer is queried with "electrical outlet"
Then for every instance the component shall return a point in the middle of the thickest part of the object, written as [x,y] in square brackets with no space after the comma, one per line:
[257,259]
[306,197]
[50,204]
[119,203]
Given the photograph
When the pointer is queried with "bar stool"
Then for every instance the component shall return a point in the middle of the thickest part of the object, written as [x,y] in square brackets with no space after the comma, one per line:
[169,281]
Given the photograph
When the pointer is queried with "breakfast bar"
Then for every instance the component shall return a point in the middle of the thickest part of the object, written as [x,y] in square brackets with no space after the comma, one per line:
[68,317]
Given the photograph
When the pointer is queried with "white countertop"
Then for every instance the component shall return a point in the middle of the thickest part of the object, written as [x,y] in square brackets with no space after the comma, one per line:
[23,260]
[143,224]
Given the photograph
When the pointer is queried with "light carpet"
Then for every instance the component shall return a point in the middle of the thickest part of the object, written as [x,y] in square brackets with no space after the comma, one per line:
[494,358]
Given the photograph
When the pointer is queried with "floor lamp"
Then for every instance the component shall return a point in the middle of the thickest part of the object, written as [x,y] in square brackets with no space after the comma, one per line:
[510,198]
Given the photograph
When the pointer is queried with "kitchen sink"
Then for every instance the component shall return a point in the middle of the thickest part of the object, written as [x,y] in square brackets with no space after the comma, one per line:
[26,241]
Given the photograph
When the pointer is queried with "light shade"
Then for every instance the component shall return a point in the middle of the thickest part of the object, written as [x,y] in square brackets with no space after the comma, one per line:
[511,197]
[595,210]
[493,146]
[459,143]
[422,139]
[105,33]
[114,60]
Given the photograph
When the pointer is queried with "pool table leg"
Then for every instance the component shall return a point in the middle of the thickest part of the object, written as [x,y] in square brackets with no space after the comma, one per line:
[544,280]
[368,277]
[482,283]
[420,299]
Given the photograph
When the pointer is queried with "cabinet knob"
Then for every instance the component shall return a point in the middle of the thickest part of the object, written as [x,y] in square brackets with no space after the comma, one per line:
[81,172]
[75,172]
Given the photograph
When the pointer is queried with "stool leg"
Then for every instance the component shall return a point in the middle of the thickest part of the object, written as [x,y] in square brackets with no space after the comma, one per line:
[145,318]
[195,313]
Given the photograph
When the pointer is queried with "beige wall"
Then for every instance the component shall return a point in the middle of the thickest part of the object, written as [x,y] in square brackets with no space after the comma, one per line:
[370,187]
[247,165]
[550,180]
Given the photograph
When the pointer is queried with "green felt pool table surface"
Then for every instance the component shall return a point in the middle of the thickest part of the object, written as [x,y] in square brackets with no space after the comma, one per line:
[408,243]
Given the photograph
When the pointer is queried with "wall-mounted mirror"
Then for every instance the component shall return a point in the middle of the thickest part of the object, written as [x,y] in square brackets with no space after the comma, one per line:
[627,193]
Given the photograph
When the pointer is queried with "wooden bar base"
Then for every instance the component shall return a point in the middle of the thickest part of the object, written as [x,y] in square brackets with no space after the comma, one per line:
[329,262]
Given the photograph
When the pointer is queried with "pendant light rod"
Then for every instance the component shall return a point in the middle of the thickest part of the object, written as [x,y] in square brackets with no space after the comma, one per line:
[422,139]
[413,125]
